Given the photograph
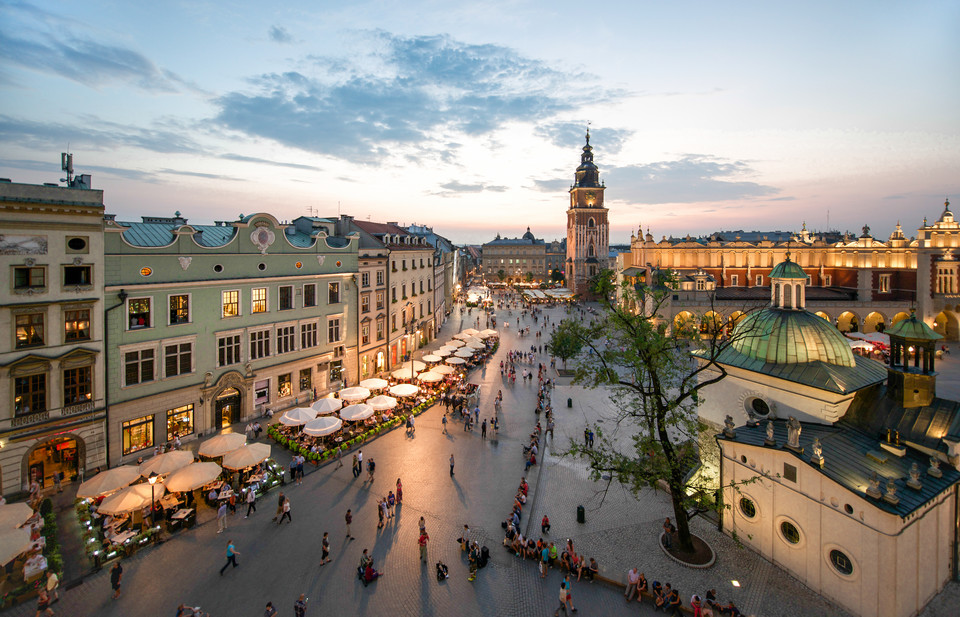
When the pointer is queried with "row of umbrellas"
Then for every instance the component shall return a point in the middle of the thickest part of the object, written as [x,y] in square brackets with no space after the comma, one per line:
[14,539]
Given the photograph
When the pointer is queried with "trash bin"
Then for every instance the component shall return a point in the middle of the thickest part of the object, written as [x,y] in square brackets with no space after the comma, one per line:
[581,515]
[569,402]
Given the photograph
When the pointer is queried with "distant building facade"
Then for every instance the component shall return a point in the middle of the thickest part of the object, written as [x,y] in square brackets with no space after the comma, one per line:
[938,274]
[52,357]
[588,231]
[514,260]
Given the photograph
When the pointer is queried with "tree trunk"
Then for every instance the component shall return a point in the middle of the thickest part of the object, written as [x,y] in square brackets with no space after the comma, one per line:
[684,540]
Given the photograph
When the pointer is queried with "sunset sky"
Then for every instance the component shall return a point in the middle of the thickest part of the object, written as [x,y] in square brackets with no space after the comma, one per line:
[470,116]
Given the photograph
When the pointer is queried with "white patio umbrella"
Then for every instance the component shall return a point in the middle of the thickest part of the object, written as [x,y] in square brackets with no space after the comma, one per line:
[355,413]
[354,394]
[374,383]
[430,377]
[443,352]
[476,345]
[877,337]
[462,336]
[861,345]
[456,360]
[327,405]
[454,343]
[131,498]
[108,481]
[220,445]
[857,335]
[471,331]
[13,515]
[404,389]
[246,456]
[192,476]
[465,352]
[432,358]
[322,426]
[403,373]
[417,366]
[382,402]
[298,416]
[165,463]
[488,333]
[443,369]
[13,542]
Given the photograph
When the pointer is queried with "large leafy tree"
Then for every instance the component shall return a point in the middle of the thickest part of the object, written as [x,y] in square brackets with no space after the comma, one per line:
[567,341]
[656,372]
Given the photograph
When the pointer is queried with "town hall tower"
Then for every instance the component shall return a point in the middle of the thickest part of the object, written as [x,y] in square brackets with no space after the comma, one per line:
[588,232]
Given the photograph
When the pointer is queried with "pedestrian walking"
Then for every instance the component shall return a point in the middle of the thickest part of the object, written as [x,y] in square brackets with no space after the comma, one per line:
[399,492]
[43,603]
[300,606]
[280,501]
[371,467]
[423,526]
[381,513]
[668,530]
[474,558]
[443,421]
[356,466]
[451,465]
[53,586]
[339,458]
[232,553]
[222,517]
[348,517]
[424,538]
[116,574]
[359,462]
[286,512]
[57,479]
[325,549]
[251,502]
[483,429]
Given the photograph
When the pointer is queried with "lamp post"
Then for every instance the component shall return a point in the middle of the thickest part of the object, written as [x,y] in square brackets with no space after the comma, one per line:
[153,511]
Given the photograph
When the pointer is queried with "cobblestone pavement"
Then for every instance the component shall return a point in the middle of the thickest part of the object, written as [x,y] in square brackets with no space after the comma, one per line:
[279,563]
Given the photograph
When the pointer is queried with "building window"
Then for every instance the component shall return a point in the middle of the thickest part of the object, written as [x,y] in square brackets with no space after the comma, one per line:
[29,278]
[333,330]
[286,339]
[179,422]
[403,291]
[336,370]
[179,309]
[308,335]
[701,285]
[827,280]
[734,280]
[178,359]
[258,300]
[228,350]
[380,329]
[29,330]
[284,385]
[884,283]
[789,472]
[306,379]
[841,562]
[310,295]
[790,532]
[421,286]
[137,434]
[379,277]
[748,508]
[76,325]
[286,298]
[230,303]
[30,394]
[429,285]
[365,334]
[77,275]
[259,344]
[759,407]
[138,311]
[429,306]
[393,321]
[333,293]
[365,279]
[138,366]
[945,281]
[379,300]
[759,280]
[261,392]
[77,385]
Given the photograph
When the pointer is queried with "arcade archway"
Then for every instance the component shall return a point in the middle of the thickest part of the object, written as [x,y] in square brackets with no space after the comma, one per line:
[848,321]
[874,322]
[59,454]
[947,324]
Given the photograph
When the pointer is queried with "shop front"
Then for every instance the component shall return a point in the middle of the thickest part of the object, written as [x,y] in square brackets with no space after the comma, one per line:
[227,408]
[57,455]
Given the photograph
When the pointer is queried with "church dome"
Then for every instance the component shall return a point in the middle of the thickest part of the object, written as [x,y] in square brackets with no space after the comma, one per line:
[528,235]
[784,336]
[788,270]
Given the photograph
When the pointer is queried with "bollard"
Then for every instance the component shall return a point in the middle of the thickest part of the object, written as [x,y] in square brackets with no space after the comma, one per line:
[569,402]
[581,515]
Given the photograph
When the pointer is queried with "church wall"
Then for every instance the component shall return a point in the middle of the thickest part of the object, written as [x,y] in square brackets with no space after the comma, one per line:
[899,565]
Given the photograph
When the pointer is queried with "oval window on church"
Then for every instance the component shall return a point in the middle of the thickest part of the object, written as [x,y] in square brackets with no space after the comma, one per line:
[841,562]
[760,407]
[747,507]
[790,532]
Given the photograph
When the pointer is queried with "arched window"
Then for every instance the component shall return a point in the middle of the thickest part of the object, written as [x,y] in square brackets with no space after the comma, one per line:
[591,222]
[590,251]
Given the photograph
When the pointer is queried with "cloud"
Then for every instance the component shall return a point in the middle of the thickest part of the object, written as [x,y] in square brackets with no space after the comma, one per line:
[253,159]
[454,188]
[83,60]
[552,186]
[693,178]
[569,135]
[198,174]
[53,167]
[279,34]
[412,92]
[91,133]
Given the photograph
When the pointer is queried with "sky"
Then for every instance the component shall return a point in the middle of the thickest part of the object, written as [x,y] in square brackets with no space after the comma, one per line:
[470,116]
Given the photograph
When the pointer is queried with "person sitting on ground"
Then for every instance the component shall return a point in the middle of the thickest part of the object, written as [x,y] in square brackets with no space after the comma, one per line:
[658,599]
[641,587]
[711,599]
[369,574]
[523,486]
[365,560]
[521,498]
[510,535]
[633,577]
[565,560]
[674,603]
[532,551]
[518,544]
[731,609]
[696,605]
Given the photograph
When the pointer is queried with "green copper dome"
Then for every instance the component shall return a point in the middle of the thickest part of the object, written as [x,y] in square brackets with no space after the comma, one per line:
[783,336]
[913,329]
[788,270]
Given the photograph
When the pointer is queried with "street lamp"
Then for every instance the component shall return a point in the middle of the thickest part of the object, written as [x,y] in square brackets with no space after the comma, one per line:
[153,511]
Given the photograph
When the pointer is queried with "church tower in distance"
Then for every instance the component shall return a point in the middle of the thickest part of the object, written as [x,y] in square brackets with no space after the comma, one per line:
[588,233]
